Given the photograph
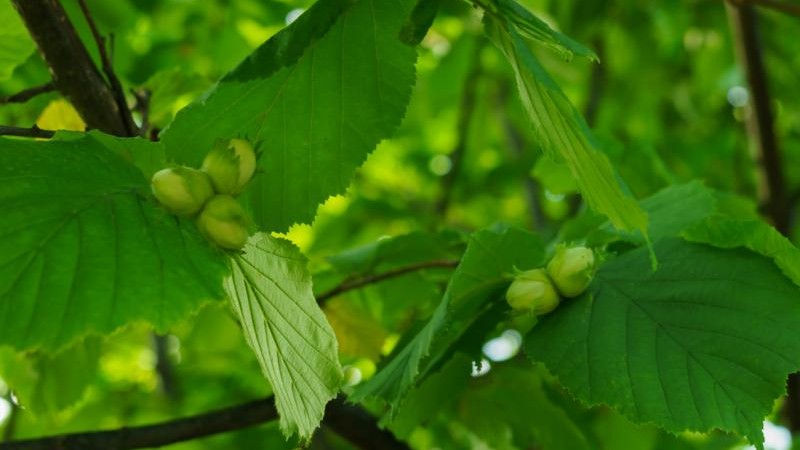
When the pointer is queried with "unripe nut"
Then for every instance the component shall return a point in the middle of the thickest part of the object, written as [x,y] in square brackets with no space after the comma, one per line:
[571,270]
[532,290]
[230,165]
[181,190]
[224,222]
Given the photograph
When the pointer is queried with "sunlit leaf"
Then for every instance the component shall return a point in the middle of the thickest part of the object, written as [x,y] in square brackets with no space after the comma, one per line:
[270,291]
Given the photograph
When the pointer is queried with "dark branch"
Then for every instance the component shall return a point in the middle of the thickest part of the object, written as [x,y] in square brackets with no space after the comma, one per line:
[784,7]
[164,369]
[773,198]
[108,69]
[351,422]
[466,111]
[194,427]
[350,285]
[33,132]
[74,73]
[359,427]
[27,94]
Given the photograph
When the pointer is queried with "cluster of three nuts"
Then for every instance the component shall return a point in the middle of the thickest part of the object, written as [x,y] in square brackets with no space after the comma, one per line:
[185,192]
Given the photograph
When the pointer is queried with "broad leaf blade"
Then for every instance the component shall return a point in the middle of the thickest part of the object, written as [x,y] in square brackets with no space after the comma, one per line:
[317,115]
[484,271]
[270,292]
[704,342]
[563,133]
[85,248]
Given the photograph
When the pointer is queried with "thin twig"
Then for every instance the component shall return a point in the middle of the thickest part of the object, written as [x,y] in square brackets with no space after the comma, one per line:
[350,285]
[466,111]
[792,9]
[32,132]
[164,369]
[108,69]
[27,94]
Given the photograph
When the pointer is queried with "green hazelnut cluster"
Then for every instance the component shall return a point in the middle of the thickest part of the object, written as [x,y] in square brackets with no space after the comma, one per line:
[539,291]
[208,194]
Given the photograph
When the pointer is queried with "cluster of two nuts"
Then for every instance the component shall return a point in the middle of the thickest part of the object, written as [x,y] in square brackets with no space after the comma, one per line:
[185,191]
[569,273]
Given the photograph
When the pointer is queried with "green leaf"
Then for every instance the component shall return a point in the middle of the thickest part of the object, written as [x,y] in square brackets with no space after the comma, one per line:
[422,17]
[147,155]
[704,342]
[484,272]
[270,292]
[534,28]
[431,396]
[317,116]
[671,211]
[752,234]
[86,249]
[563,133]
[15,44]
[510,403]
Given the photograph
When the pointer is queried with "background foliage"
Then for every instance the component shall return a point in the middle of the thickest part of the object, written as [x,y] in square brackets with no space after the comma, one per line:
[459,151]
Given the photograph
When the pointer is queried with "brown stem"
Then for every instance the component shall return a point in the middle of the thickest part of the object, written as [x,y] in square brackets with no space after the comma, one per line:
[108,69]
[771,191]
[164,368]
[74,73]
[27,94]
[466,110]
[32,132]
[784,7]
[350,285]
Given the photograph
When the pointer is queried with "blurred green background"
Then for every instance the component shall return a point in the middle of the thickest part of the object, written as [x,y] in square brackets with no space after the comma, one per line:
[668,101]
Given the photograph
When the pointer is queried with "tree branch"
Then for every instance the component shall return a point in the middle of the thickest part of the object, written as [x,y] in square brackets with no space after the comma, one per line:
[351,422]
[188,428]
[32,132]
[772,194]
[108,69]
[74,73]
[466,110]
[27,94]
[349,285]
[780,6]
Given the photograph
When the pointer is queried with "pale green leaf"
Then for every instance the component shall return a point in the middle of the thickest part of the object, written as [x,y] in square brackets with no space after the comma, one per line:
[704,342]
[563,133]
[534,28]
[318,96]
[270,292]
[85,247]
